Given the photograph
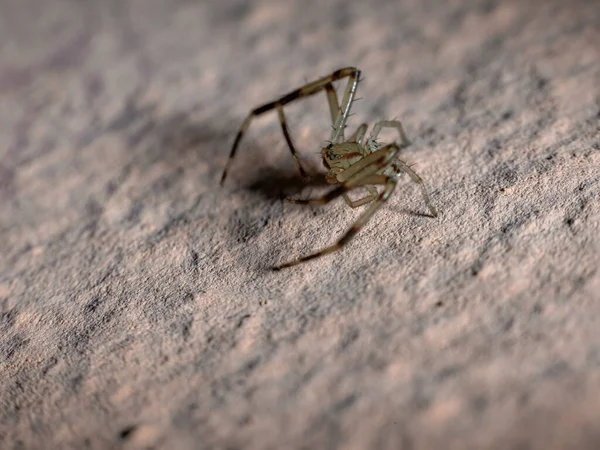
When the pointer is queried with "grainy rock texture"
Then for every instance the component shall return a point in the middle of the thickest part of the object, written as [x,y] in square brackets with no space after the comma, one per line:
[136,305]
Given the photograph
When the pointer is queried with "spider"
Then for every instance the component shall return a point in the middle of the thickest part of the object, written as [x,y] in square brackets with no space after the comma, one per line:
[351,162]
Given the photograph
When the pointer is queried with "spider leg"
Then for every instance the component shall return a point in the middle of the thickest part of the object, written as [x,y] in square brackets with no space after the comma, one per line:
[355,174]
[359,134]
[417,179]
[364,200]
[399,164]
[337,132]
[365,175]
[404,142]
[341,112]
[390,185]
[288,139]
[334,107]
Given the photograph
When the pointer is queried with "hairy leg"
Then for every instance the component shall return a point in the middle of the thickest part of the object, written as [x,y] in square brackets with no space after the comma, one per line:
[312,88]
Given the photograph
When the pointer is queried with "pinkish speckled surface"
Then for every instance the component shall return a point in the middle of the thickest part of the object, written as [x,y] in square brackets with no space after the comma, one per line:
[135,308]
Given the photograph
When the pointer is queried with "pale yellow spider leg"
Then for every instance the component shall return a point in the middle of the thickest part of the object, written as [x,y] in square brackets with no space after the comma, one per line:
[337,133]
[390,124]
[359,134]
[401,164]
[362,201]
[379,160]
[351,73]
[417,179]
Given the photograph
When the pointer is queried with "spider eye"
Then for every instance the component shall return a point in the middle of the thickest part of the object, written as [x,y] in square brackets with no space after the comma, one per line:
[330,146]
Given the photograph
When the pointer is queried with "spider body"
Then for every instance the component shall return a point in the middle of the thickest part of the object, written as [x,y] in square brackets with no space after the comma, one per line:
[351,163]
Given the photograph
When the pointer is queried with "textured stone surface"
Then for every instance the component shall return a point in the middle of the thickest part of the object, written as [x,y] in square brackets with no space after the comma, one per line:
[136,310]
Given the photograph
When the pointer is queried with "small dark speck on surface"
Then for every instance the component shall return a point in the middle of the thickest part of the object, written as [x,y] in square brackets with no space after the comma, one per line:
[127,432]
[242,320]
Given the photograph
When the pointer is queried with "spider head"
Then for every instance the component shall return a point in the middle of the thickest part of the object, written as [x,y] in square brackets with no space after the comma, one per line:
[341,155]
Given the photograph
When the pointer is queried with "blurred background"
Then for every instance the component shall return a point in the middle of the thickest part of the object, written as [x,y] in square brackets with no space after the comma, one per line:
[135,310]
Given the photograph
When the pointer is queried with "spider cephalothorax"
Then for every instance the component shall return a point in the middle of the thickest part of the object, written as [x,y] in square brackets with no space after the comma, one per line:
[351,163]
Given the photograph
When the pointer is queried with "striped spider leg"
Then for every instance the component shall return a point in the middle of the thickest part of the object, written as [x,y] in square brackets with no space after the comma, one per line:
[339,113]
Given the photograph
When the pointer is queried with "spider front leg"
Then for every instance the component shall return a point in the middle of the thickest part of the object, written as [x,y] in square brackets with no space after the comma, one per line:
[339,114]
[364,200]
[359,134]
[404,141]
[401,165]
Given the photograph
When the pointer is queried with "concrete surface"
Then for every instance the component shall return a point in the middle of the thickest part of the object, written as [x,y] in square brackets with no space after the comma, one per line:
[136,305]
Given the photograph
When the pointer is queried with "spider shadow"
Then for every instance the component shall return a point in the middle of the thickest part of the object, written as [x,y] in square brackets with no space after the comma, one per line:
[269,186]
[170,139]
[178,139]
[273,184]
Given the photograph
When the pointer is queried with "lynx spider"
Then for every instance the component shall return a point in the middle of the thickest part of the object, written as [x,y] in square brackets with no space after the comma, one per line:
[351,163]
